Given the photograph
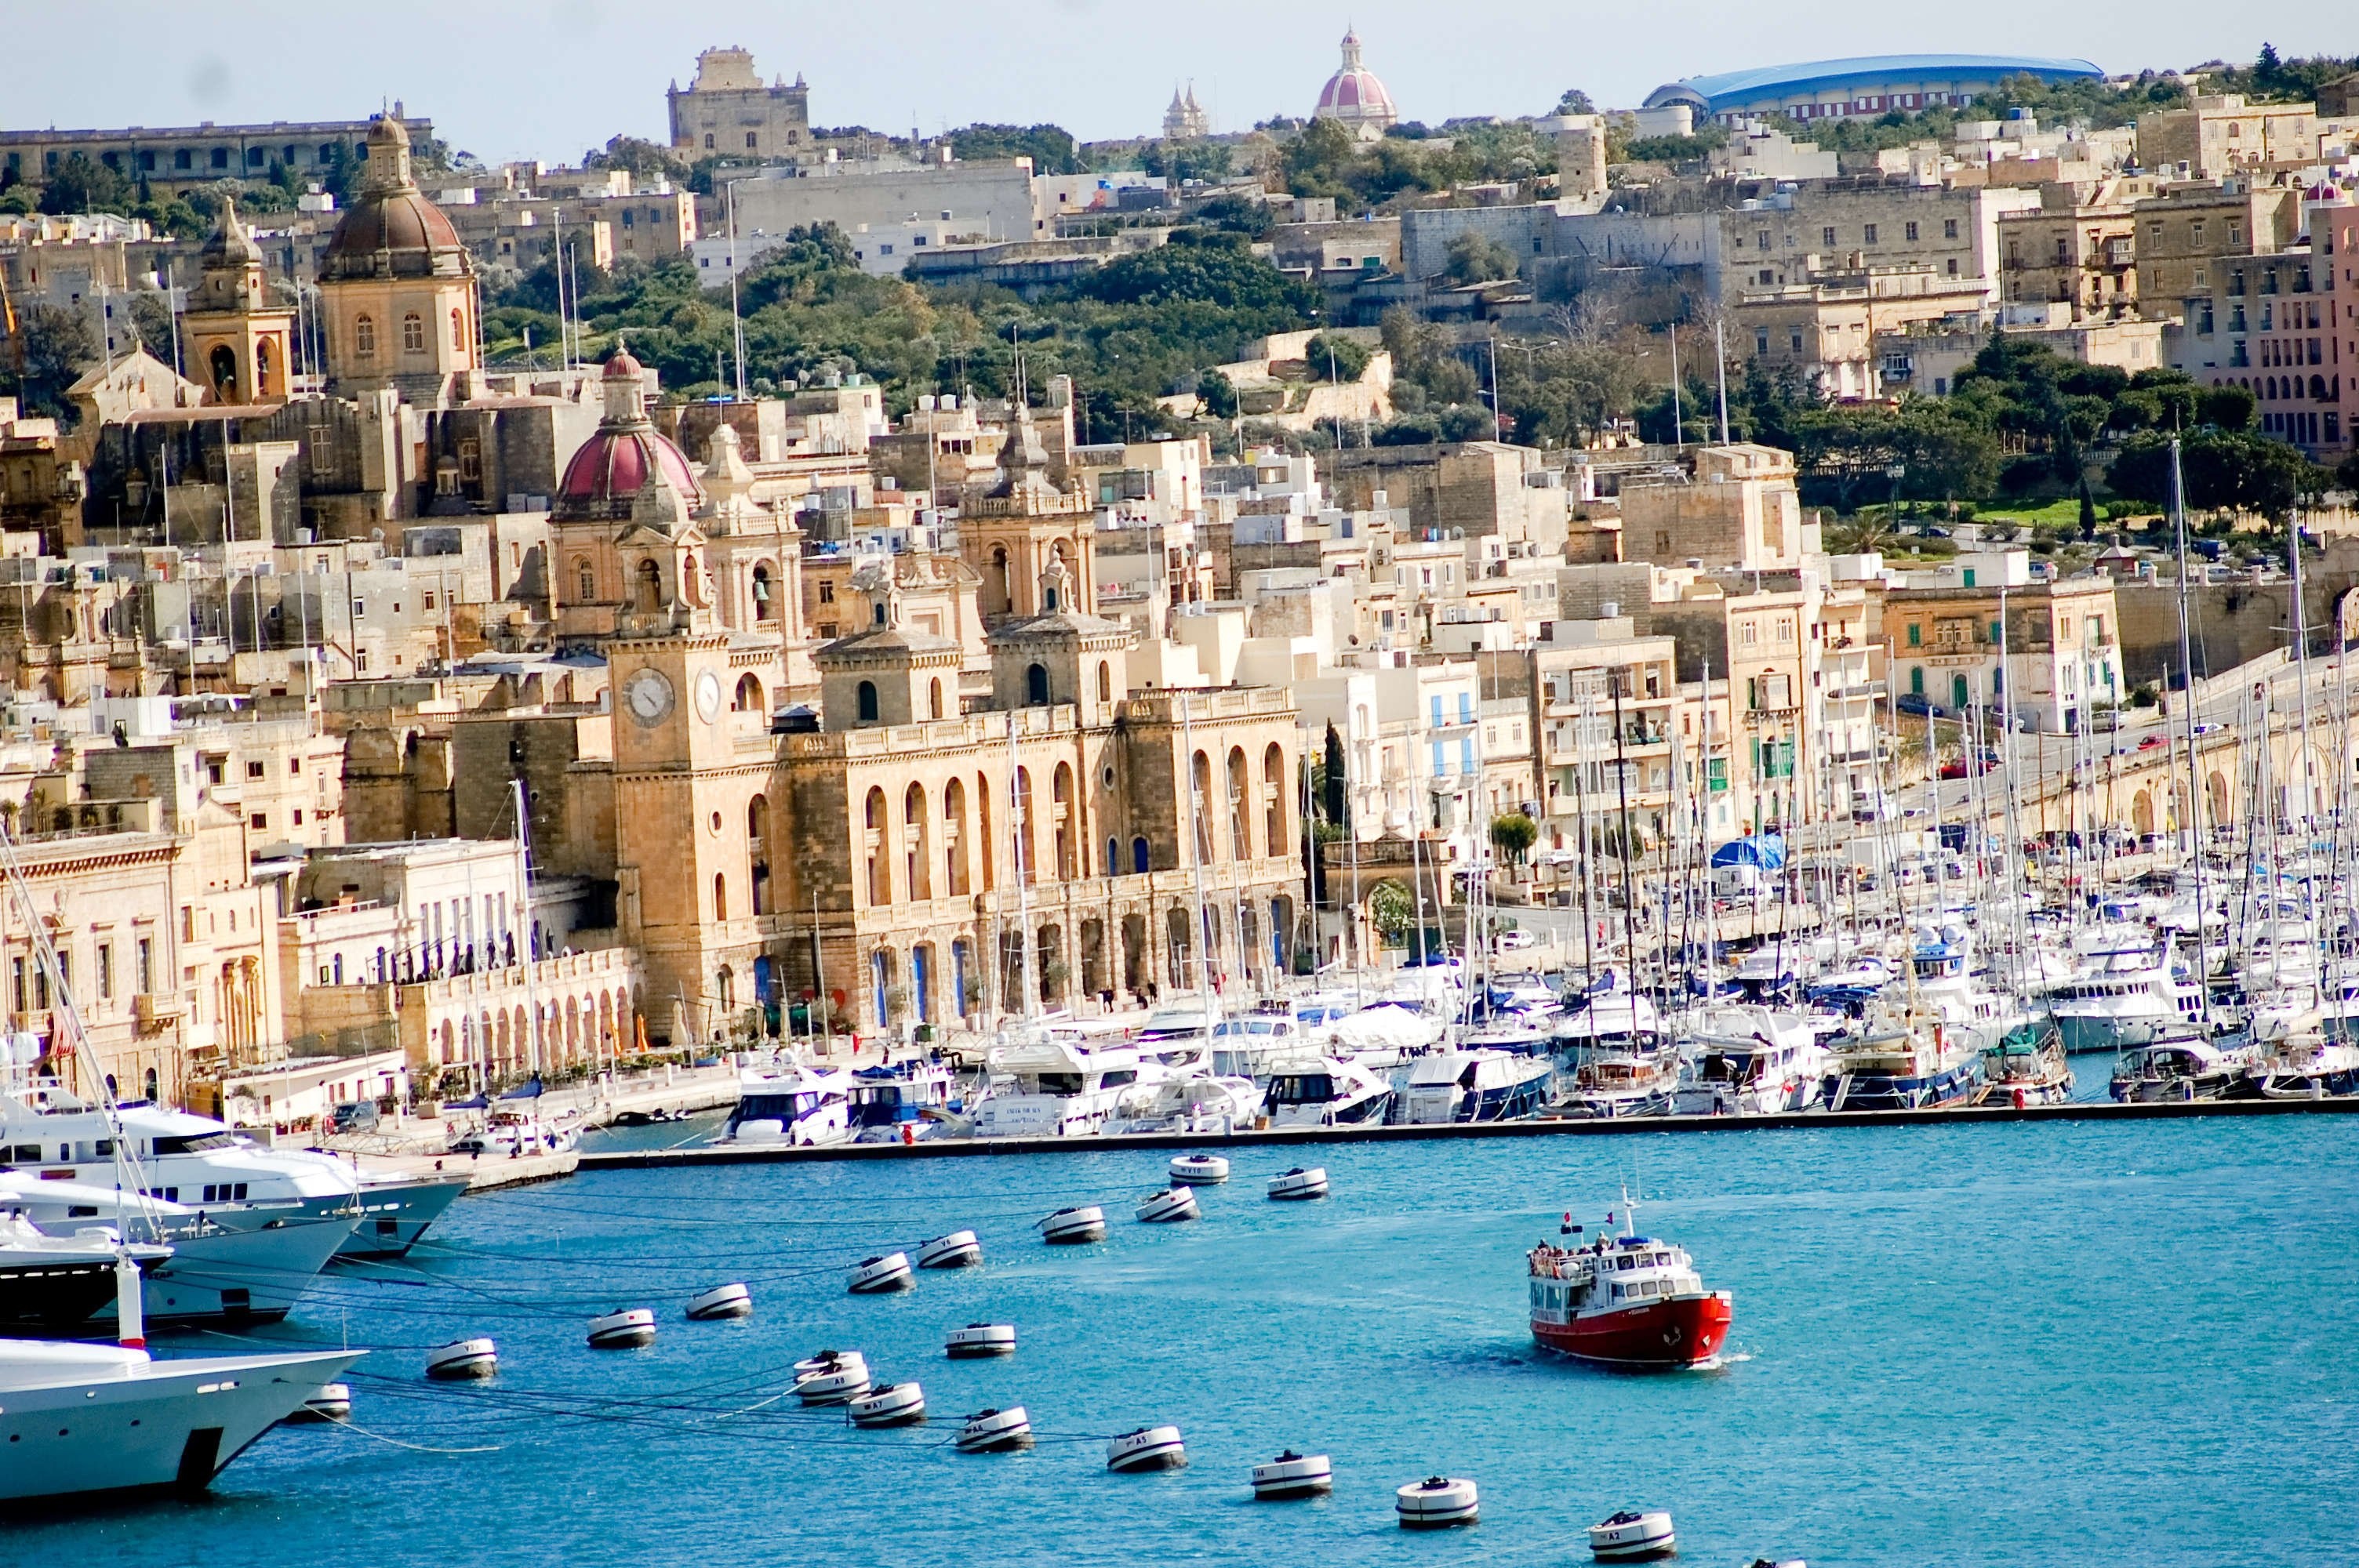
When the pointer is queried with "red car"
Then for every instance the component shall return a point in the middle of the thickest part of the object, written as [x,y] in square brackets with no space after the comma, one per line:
[2151,741]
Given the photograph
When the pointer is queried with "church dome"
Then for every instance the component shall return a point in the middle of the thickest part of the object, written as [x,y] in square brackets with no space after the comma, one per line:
[617,464]
[1353,94]
[392,231]
[627,454]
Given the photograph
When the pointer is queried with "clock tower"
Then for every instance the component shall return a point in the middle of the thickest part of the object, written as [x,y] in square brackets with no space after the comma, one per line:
[692,771]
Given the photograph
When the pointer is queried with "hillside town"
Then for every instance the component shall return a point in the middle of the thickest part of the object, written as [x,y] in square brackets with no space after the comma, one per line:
[470,624]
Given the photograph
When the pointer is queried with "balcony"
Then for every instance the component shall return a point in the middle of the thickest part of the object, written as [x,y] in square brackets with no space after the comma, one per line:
[155,1010]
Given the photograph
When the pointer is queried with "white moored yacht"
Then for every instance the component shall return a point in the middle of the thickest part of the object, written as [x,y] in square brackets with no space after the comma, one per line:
[2123,999]
[78,1420]
[1752,1061]
[1479,1084]
[1051,1084]
[228,1264]
[793,1105]
[1331,1091]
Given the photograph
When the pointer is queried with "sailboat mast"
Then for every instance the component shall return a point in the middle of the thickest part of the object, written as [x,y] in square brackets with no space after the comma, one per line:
[2194,787]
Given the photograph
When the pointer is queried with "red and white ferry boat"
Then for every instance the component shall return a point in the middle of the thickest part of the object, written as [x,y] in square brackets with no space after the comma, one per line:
[1625,1301]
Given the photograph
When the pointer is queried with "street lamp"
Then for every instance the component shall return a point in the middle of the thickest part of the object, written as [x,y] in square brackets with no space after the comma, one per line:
[1896,472]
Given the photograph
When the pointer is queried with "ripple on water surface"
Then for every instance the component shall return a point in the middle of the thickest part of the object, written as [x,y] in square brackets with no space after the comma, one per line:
[1988,1345]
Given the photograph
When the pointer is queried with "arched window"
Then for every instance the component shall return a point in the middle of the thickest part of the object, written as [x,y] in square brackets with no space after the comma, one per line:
[867,702]
[413,333]
[757,820]
[1274,799]
[1036,684]
[364,337]
[880,873]
[1140,856]
[457,333]
[650,587]
[934,700]
[918,854]
[1062,825]
[585,579]
[749,695]
[1240,829]
[1113,857]
[262,367]
[1200,806]
[1026,857]
[954,838]
[224,361]
[1106,680]
[708,141]
[764,607]
[720,896]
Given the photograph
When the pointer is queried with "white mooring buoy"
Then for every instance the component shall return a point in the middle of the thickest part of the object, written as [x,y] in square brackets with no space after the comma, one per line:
[332,1402]
[1633,1535]
[958,1249]
[1435,1503]
[888,1405]
[1074,1227]
[995,1431]
[880,1275]
[1168,1206]
[1200,1170]
[626,1329]
[1298,1184]
[1149,1448]
[1291,1476]
[463,1358]
[979,1340]
[831,1377]
[720,1301]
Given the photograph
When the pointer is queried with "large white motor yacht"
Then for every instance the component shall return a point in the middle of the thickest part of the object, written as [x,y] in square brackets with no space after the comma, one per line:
[1052,1084]
[792,1105]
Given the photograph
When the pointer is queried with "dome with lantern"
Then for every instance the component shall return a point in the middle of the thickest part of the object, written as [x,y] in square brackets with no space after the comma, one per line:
[1354,95]
[627,455]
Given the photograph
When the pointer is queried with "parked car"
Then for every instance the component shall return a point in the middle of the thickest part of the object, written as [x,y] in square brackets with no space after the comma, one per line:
[2151,741]
[1515,940]
[353,1116]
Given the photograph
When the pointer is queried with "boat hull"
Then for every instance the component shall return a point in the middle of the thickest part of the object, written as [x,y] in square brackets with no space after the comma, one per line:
[1894,1091]
[394,1214]
[1669,1332]
[171,1428]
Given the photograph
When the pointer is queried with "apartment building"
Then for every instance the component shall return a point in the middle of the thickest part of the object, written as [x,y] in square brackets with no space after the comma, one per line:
[1980,632]
[2079,249]
[1825,329]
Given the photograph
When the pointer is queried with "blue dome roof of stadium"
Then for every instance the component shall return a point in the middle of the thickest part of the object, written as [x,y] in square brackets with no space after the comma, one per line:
[1798,82]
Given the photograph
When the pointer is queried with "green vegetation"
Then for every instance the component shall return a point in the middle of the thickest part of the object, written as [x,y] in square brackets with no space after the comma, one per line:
[1179,162]
[1672,149]
[1144,326]
[1051,148]
[2220,469]
[2271,80]
[2089,102]
[1327,160]
[1513,835]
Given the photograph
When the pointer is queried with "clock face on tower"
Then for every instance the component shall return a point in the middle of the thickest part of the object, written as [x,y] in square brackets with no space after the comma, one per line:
[649,696]
[707,697]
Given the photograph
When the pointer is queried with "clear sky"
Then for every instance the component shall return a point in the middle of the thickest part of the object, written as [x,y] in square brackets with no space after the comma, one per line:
[549,78]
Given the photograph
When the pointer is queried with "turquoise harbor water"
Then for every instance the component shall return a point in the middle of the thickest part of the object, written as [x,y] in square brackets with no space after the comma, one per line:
[1957,1346]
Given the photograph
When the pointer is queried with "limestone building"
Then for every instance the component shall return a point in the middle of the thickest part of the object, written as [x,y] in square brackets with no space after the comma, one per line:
[727,111]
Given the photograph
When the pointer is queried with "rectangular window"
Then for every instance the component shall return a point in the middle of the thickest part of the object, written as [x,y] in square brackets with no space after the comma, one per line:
[1440,760]
[1916,635]
[1868,235]
[144,964]
[1949,228]
[1910,231]
[1434,713]
[1827,236]
[106,971]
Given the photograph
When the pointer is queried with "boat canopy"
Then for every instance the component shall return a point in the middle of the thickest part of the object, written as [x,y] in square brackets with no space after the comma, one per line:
[1765,850]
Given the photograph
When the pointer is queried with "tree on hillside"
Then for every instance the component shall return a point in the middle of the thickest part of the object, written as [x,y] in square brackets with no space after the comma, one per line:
[81,184]
[1051,148]
[52,346]
[1575,101]
[2221,469]
[1475,257]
